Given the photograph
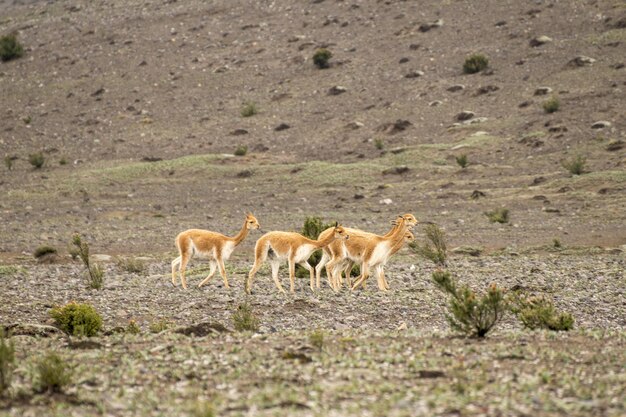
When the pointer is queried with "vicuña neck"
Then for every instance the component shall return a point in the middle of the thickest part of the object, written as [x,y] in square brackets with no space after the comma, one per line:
[242,233]
[326,241]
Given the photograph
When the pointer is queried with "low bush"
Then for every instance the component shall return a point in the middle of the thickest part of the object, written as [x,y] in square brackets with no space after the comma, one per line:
[132,265]
[475,63]
[44,250]
[321,58]
[249,109]
[540,313]
[551,105]
[133,328]
[462,160]
[36,160]
[241,150]
[52,374]
[576,165]
[435,249]
[95,274]
[379,144]
[159,326]
[316,338]
[7,362]
[499,215]
[77,319]
[10,48]
[468,312]
[245,319]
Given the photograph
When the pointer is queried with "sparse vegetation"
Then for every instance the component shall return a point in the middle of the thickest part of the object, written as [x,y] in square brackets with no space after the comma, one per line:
[499,215]
[539,313]
[241,150]
[10,48]
[77,319]
[249,109]
[133,328]
[551,105]
[379,143]
[203,409]
[312,228]
[95,274]
[462,160]
[27,120]
[575,165]
[36,160]
[130,264]
[52,374]
[556,243]
[159,326]
[244,319]
[316,338]
[8,162]
[63,161]
[7,361]
[475,63]
[435,249]
[44,250]
[8,270]
[321,58]
[470,313]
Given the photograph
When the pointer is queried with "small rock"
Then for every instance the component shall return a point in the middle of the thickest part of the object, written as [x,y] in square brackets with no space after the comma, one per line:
[425,27]
[336,90]
[455,88]
[524,104]
[540,40]
[435,103]
[403,60]
[354,125]
[359,196]
[246,173]
[402,326]
[239,132]
[551,210]
[414,74]
[464,115]
[543,91]
[282,126]
[538,180]
[601,124]
[98,92]
[476,194]
[392,128]
[468,250]
[615,145]
[487,89]
[580,61]
[396,170]
[386,201]
[99,257]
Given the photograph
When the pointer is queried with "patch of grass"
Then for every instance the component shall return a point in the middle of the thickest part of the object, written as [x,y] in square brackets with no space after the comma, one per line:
[52,374]
[159,326]
[241,150]
[499,215]
[77,319]
[462,160]
[379,144]
[435,249]
[475,63]
[44,250]
[133,328]
[8,162]
[27,120]
[132,265]
[249,109]
[203,409]
[244,319]
[321,58]
[316,338]
[8,270]
[95,274]
[63,161]
[556,244]
[36,160]
[551,105]
[7,362]
[575,165]
[540,313]
[468,312]
[10,48]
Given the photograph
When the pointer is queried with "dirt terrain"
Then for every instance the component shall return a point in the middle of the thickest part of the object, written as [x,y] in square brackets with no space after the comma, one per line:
[136,107]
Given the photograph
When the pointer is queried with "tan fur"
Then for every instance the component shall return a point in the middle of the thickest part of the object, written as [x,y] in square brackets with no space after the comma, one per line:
[344,254]
[291,246]
[215,246]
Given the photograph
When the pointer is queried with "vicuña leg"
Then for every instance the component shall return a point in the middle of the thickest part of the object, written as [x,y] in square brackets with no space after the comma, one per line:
[220,264]
[309,268]
[320,265]
[292,276]
[175,264]
[275,264]
[183,266]
[213,266]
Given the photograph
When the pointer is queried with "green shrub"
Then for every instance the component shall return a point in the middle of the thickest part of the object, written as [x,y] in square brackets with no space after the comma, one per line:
[8,162]
[435,249]
[462,160]
[52,374]
[36,160]
[245,319]
[539,313]
[133,328]
[316,338]
[499,215]
[95,274]
[551,105]
[576,165]
[8,270]
[241,150]
[249,109]
[27,120]
[132,265]
[467,312]
[77,319]
[10,48]
[556,244]
[159,326]
[63,161]
[7,362]
[321,58]
[44,250]
[312,228]
[475,63]
[379,143]
[203,409]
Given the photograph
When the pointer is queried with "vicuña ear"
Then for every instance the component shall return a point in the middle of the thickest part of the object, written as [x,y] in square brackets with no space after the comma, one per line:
[336,224]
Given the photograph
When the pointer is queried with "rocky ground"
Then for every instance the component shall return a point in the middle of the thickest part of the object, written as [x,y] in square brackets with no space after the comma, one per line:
[136,108]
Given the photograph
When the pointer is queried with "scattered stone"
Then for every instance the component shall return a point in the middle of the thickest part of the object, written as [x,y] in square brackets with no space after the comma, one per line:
[601,124]
[435,103]
[538,180]
[386,201]
[455,88]
[202,329]
[401,169]
[430,374]
[100,257]
[557,129]
[580,61]
[392,128]
[540,40]
[98,92]
[425,27]
[354,125]
[414,46]
[246,173]
[617,66]
[468,250]
[524,104]
[543,91]
[403,60]
[551,210]
[28,329]
[486,90]
[281,127]
[414,74]
[464,115]
[397,150]
[84,344]
[565,189]
[239,132]
[336,90]
[151,159]
[476,194]
[615,145]
[359,196]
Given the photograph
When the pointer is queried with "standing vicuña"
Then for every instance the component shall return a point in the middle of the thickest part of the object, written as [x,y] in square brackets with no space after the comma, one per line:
[211,245]
[294,247]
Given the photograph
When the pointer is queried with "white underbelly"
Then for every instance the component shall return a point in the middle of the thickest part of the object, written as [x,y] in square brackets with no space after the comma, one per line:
[227,250]
[380,253]
[304,252]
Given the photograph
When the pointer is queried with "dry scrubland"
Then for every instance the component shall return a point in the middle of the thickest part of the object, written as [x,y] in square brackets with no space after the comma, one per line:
[157,116]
